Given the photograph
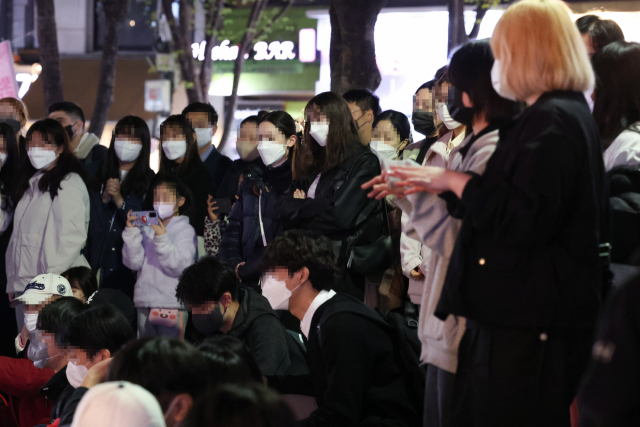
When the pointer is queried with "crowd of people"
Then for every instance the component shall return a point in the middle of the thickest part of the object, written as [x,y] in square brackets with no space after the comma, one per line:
[340,273]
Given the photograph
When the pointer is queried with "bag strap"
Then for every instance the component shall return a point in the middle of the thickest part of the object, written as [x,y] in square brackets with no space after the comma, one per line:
[264,237]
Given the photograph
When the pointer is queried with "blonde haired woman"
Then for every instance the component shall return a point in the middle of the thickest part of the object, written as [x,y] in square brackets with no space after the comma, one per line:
[526,270]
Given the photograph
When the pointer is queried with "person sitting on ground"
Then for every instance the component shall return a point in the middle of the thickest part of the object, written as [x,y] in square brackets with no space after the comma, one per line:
[22,382]
[83,282]
[121,404]
[209,288]
[86,146]
[352,360]
[233,405]
[364,107]
[91,337]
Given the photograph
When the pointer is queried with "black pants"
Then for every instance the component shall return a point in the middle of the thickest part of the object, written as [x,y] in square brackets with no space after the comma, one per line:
[518,377]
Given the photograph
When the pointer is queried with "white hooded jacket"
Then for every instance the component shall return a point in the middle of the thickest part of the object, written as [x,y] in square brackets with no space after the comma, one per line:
[48,235]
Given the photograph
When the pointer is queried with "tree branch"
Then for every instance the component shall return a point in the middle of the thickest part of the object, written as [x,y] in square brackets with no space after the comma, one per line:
[481,11]
[279,15]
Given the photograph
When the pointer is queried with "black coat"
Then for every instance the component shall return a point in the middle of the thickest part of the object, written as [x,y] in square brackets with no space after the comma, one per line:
[527,253]
[242,237]
[356,378]
[201,184]
[229,186]
[104,242]
[340,207]
[257,325]
[624,190]
[217,165]
[610,396]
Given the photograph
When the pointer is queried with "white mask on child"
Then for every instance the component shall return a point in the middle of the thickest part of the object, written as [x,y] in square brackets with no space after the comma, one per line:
[165,210]
[174,149]
[319,131]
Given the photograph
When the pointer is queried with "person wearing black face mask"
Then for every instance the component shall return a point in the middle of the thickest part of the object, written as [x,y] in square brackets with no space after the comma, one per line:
[210,290]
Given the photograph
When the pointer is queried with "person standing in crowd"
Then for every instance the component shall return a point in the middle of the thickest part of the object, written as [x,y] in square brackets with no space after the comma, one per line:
[598,33]
[209,289]
[179,157]
[14,113]
[247,148]
[159,254]
[254,220]
[10,160]
[21,381]
[610,394]
[617,113]
[84,145]
[391,134]
[83,282]
[356,374]
[527,270]
[364,107]
[204,120]
[332,166]
[52,216]
[413,254]
[476,105]
[125,177]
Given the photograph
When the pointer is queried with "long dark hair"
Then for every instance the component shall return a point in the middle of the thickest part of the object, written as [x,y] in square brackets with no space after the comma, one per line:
[181,190]
[138,179]
[342,141]
[191,157]
[53,133]
[602,31]
[9,172]
[617,93]
[470,71]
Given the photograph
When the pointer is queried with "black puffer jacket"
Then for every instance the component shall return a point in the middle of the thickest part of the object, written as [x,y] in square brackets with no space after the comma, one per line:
[624,190]
[242,238]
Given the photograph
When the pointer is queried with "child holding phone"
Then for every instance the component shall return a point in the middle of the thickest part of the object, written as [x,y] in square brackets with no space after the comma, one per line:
[159,253]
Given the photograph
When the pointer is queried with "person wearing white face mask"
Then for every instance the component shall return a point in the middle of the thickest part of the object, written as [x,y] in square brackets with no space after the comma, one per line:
[349,353]
[204,120]
[124,179]
[255,208]
[52,216]
[23,382]
[179,157]
[330,167]
[159,254]
[91,337]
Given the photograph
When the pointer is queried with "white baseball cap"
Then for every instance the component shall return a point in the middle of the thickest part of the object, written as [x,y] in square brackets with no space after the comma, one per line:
[118,403]
[42,287]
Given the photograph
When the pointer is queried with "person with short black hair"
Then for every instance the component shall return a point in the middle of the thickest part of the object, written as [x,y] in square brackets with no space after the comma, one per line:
[598,33]
[230,360]
[91,337]
[83,282]
[174,371]
[356,374]
[365,107]
[85,146]
[23,382]
[233,405]
[210,290]
[247,148]
[204,120]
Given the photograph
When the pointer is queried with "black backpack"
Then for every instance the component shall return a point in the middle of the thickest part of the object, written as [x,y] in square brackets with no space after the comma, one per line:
[402,326]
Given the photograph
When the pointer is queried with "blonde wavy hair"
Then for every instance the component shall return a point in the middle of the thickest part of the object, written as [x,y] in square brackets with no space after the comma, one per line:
[540,49]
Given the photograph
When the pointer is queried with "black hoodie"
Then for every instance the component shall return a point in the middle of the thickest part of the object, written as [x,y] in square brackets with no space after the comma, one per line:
[258,326]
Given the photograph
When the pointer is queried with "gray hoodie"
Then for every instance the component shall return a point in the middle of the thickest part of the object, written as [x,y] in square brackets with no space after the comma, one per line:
[436,229]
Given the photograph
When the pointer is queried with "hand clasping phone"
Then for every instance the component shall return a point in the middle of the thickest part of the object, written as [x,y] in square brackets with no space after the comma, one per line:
[145,218]
[223,205]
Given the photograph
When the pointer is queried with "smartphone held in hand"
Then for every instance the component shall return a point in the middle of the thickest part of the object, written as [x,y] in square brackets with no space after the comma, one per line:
[145,218]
